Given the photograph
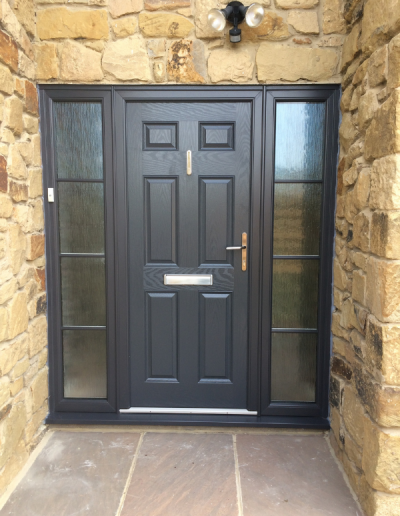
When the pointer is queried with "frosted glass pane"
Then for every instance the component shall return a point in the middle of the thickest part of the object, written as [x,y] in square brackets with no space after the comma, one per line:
[295,293]
[299,140]
[297,218]
[83,291]
[293,366]
[81,217]
[78,138]
[85,363]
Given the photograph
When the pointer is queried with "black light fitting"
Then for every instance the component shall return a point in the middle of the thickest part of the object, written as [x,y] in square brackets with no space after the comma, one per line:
[235,13]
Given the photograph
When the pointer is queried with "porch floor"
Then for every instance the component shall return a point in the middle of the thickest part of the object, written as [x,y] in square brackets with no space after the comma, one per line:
[181,472]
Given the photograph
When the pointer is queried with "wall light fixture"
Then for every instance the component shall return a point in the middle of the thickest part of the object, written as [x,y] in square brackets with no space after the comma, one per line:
[235,13]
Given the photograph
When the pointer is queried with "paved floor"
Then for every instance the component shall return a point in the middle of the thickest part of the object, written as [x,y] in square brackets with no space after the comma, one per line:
[171,473]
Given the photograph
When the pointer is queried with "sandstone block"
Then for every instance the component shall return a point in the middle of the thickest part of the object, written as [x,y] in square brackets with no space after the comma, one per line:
[381,21]
[46,61]
[354,455]
[333,19]
[337,329]
[383,289]
[79,63]
[331,41]
[157,25]
[381,458]
[385,234]
[120,7]
[393,77]
[156,47]
[35,422]
[11,430]
[385,183]
[376,503]
[36,153]
[63,23]
[302,41]
[3,334]
[367,107]
[383,135]
[11,354]
[13,108]
[3,174]
[18,191]
[37,335]
[31,98]
[296,4]
[304,22]
[347,132]
[31,124]
[362,189]
[351,46]
[382,349]
[340,277]
[336,427]
[8,51]
[4,390]
[35,188]
[25,148]
[350,176]
[229,65]
[272,28]
[26,66]
[19,369]
[17,245]
[350,209]
[6,206]
[7,290]
[16,167]
[186,61]
[154,5]
[124,27]
[25,12]
[39,390]
[97,45]
[130,50]
[35,247]
[159,71]
[358,287]
[377,67]
[353,415]
[18,315]
[346,98]
[277,62]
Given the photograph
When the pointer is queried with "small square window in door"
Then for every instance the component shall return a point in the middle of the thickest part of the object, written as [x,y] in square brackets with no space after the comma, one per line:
[216,136]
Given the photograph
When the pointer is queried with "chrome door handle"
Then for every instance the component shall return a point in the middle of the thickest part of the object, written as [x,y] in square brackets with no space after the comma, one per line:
[242,248]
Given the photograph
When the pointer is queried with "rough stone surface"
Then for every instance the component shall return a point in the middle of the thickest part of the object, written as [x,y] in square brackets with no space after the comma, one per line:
[382,350]
[154,5]
[272,28]
[277,62]
[381,21]
[296,4]
[385,183]
[182,63]
[62,23]
[203,29]
[132,51]
[120,7]
[124,27]
[47,66]
[155,25]
[224,65]
[79,63]
[8,51]
[383,135]
[393,77]
[333,19]
[377,67]
[304,22]
[383,289]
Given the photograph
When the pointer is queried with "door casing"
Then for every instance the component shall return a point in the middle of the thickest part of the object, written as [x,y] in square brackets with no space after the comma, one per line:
[262,99]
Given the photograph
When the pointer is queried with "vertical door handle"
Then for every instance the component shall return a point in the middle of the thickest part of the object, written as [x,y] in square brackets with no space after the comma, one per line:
[242,248]
[189,163]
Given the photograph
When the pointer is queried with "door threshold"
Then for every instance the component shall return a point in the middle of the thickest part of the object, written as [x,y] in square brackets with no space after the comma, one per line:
[163,410]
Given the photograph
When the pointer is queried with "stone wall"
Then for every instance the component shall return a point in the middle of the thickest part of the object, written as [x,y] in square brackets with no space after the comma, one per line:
[169,41]
[365,382]
[23,326]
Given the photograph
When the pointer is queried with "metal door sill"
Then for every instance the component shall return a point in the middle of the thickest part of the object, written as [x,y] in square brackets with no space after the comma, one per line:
[162,410]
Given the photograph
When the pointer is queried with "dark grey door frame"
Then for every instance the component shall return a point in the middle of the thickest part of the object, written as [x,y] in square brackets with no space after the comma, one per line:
[263,109]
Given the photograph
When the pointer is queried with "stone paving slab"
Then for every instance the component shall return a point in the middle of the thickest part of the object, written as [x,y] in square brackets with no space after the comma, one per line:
[183,473]
[292,475]
[75,474]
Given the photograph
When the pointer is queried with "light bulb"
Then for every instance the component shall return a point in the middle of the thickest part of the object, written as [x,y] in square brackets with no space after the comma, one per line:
[216,19]
[254,15]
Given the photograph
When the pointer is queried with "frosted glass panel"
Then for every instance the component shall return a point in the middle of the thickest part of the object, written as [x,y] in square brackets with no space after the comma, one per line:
[297,218]
[78,130]
[295,293]
[293,366]
[299,140]
[81,217]
[83,291]
[85,369]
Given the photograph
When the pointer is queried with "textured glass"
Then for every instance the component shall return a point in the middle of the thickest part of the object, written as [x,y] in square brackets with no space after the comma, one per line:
[85,363]
[78,135]
[295,293]
[299,140]
[293,366]
[81,217]
[297,210]
[83,291]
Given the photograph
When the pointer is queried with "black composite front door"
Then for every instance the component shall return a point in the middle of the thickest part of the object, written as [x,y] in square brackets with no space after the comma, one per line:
[188,171]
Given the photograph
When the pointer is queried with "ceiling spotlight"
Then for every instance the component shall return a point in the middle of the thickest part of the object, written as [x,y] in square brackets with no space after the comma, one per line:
[235,13]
